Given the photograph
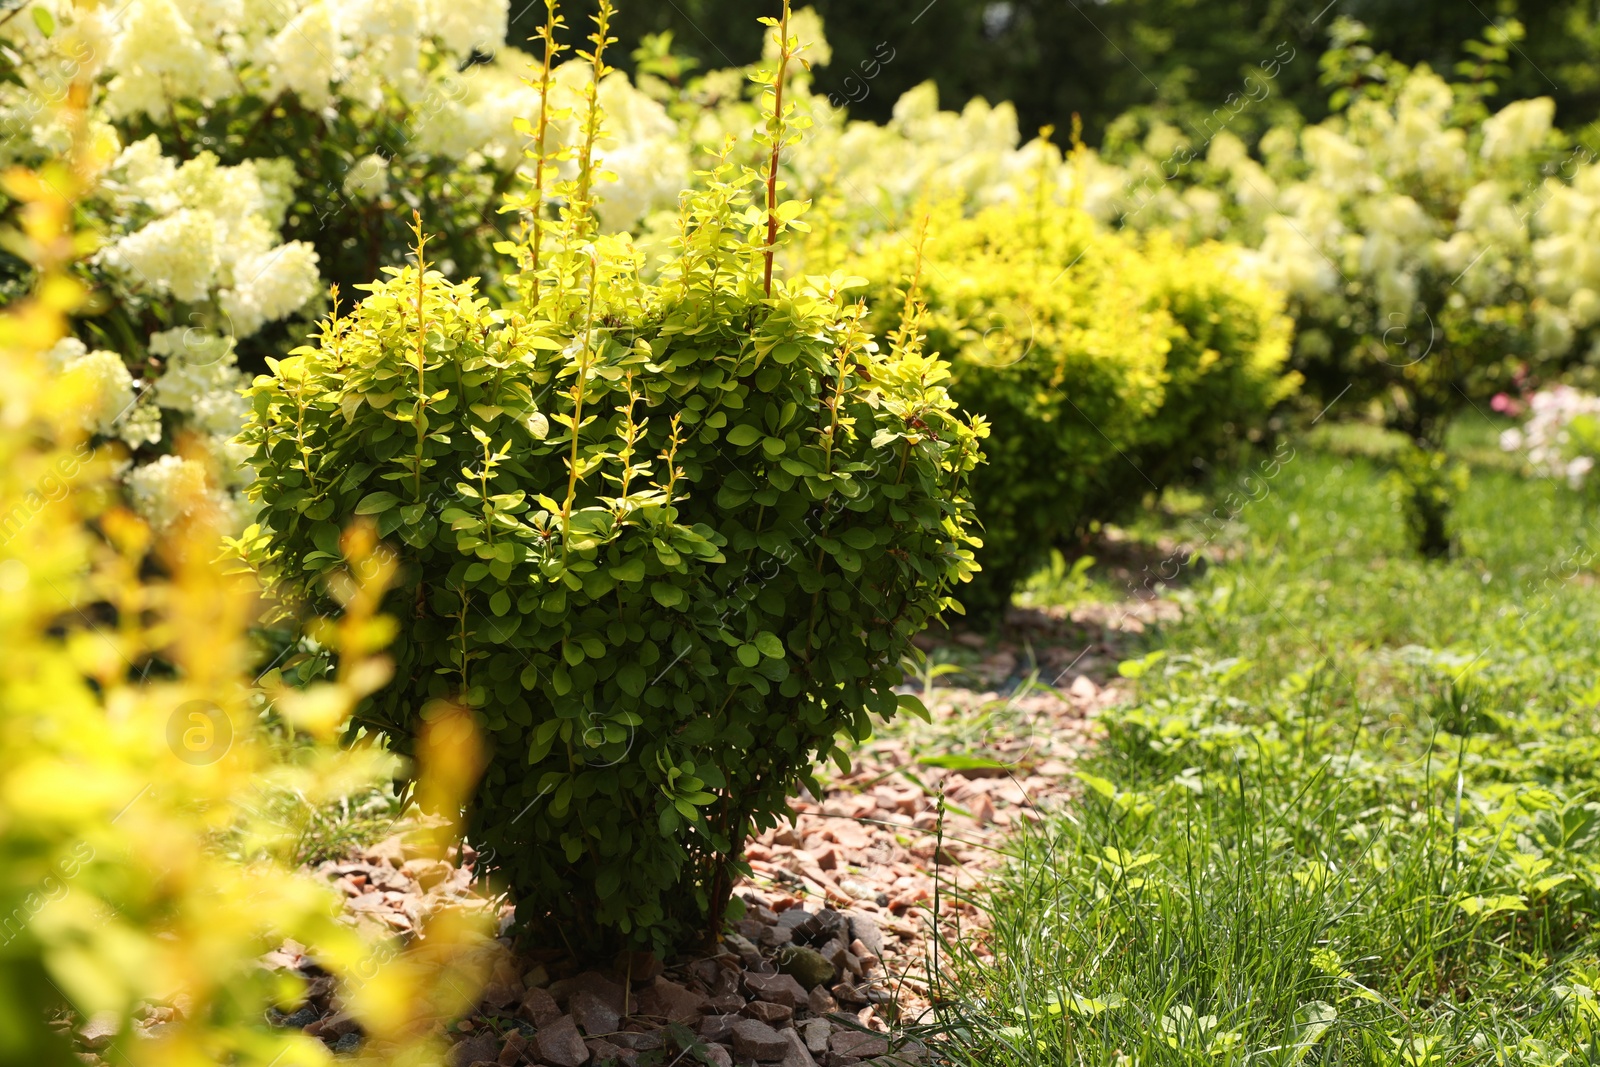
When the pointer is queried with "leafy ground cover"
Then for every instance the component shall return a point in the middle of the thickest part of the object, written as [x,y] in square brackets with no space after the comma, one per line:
[1348,814]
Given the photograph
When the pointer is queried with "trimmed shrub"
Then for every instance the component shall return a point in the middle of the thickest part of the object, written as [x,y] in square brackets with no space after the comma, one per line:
[669,541]
[1107,368]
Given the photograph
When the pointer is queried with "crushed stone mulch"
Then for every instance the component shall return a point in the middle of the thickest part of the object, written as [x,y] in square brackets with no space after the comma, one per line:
[846,902]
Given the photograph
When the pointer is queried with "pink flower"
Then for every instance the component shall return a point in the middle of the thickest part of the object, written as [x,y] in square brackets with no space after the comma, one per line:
[1506,405]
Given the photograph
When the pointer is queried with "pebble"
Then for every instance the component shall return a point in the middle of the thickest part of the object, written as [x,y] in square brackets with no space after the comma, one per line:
[539,1007]
[768,1012]
[100,1030]
[855,1043]
[816,1032]
[474,1049]
[594,1015]
[348,1043]
[666,999]
[778,988]
[797,1054]
[757,1041]
[560,1045]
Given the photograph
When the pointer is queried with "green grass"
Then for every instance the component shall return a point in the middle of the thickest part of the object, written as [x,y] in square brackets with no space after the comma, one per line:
[1351,814]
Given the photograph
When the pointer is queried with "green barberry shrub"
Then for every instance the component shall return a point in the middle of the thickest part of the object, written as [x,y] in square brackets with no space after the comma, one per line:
[1106,366]
[669,541]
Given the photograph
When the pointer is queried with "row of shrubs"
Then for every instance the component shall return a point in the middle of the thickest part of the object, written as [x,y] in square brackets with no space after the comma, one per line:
[1108,366]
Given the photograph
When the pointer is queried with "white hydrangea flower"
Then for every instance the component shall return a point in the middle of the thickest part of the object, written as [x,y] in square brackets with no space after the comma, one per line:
[367,178]
[303,57]
[178,254]
[104,386]
[142,175]
[384,35]
[141,426]
[108,388]
[172,488]
[1486,210]
[230,459]
[158,59]
[1518,128]
[1584,307]
[276,179]
[643,150]
[474,111]
[269,285]
[1335,162]
[462,25]
[201,380]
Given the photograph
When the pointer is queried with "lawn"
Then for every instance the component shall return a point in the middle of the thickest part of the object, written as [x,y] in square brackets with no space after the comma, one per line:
[1348,814]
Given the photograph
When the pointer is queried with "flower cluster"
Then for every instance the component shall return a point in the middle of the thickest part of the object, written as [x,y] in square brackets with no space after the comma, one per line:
[205,250]
[202,233]
[1562,435]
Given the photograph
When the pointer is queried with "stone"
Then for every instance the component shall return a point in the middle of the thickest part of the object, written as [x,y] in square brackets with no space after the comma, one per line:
[100,1030]
[638,1041]
[757,1041]
[797,1054]
[514,1051]
[302,1018]
[390,850]
[704,971]
[427,873]
[821,1002]
[475,1048]
[727,1004]
[777,988]
[718,1027]
[348,1043]
[857,1043]
[788,920]
[539,1007]
[825,925]
[808,966]
[845,993]
[590,982]
[744,948]
[560,1045]
[815,1032]
[333,1027]
[772,936]
[497,996]
[594,1015]
[864,928]
[666,999]
[768,1012]
[602,1051]
[717,1055]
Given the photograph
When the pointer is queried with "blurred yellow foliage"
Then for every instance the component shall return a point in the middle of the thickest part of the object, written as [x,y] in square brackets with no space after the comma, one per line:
[136,866]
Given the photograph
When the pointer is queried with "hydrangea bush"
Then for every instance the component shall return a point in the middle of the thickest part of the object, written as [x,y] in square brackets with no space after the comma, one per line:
[1432,250]
[258,153]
